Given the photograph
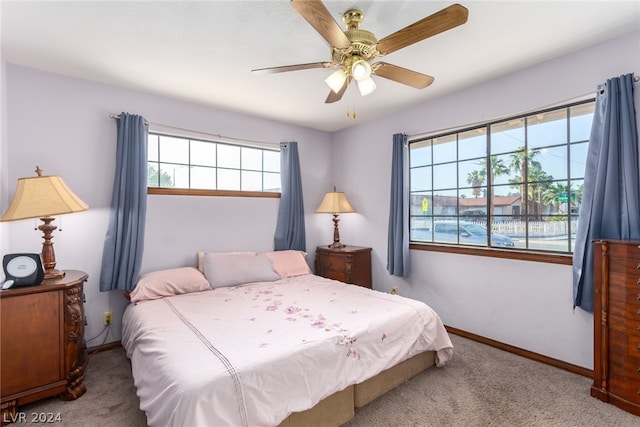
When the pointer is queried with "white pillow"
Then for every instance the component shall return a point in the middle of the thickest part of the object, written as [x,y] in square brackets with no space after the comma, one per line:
[200,256]
[230,269]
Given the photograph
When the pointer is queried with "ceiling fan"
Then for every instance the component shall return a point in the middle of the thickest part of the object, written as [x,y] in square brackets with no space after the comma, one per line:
[353,50]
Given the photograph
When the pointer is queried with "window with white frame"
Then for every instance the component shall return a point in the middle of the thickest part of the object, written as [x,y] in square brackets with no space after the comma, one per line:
[188,163]
[512,184]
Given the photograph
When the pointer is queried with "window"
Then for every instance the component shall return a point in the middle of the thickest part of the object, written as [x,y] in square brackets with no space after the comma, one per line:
[186,163]
[513,184]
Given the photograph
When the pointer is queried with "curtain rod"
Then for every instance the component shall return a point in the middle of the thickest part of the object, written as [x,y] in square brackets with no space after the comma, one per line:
[217,136]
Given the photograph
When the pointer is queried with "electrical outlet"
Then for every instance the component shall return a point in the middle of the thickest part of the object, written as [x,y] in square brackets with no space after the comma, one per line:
[107,318]
[394,291]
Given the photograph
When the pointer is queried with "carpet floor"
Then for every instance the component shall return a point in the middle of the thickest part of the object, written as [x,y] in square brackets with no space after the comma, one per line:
[481,386]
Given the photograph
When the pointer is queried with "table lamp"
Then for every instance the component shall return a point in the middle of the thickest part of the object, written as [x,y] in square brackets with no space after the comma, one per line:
[335,203]
[41,197]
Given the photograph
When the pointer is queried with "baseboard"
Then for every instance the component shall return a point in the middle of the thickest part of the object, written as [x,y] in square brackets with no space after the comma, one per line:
[579,370]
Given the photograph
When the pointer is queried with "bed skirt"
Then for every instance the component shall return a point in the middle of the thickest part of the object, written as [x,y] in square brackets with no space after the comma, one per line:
[339,408]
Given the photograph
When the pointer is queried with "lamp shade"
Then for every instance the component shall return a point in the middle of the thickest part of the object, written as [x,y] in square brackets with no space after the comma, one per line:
[336,80]
[334,202]
[366,86]
[42,196]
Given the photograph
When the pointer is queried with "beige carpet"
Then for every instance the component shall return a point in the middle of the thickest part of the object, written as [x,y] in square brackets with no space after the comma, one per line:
[481,386]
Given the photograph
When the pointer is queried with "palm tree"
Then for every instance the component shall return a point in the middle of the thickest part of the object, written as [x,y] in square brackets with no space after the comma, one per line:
[497,168]
[476,178]
[523,160]
[552,194]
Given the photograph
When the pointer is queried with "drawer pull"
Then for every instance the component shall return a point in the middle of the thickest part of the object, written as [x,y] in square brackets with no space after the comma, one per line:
[638,282]
[638,267]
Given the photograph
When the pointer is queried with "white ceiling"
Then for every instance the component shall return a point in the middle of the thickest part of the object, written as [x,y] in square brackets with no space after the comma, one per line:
[204,51]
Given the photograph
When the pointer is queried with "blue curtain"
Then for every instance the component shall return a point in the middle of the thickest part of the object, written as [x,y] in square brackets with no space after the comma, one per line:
[290,232]
[124,240]
[611,198]
[398,243]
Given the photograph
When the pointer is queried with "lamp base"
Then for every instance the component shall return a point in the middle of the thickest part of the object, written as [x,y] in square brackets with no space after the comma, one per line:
[53,274]
[336,245]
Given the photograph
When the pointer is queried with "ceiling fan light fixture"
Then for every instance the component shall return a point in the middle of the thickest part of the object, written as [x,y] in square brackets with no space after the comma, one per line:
[336,80]
[361,70]
[366,86]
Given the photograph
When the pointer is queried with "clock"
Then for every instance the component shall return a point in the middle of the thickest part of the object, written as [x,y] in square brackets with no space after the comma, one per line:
[23,269]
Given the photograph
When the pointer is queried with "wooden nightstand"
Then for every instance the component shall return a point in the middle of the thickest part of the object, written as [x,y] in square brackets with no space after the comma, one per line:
[350,264]
[42,333]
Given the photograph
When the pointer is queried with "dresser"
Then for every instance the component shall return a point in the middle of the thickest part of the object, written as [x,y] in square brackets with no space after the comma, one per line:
[42,333]
[349,264]
[616,363]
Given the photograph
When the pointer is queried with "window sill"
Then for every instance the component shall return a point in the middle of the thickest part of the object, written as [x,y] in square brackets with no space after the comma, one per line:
[550,258]
[219,193]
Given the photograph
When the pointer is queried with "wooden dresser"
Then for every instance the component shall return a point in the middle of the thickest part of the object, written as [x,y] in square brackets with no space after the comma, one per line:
[42,333]
[616,363]
[349,264]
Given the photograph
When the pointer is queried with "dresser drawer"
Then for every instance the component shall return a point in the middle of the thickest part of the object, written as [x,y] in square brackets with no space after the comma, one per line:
[619,308]
[624,378]
[628,325]
[334,263]
[624,272]
[628,250]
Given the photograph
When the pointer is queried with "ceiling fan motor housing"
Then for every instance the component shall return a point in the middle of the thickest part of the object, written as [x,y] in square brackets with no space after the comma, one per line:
[363,42]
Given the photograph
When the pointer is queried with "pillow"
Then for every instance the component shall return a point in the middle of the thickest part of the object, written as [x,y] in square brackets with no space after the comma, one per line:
[164,283]
[200,256]
[229,269]
[289,263]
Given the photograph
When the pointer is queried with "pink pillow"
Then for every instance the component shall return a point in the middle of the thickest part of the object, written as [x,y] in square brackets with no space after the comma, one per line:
[289,263]
[164,283]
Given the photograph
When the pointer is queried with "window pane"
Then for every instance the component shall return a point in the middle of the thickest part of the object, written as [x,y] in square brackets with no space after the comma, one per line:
[472,144]
[445,176]
[178,175]
[503,169]
[544,129]
[203,178]
[421,179]
[174,150]
[506,201]
[272,161]
[152,148]
[420,153]
[578,159]
[228,157]
[228,179]
[445,203]
[251,159]
[203,153]
[507,136]
[581,117]
[509,232]
[552,164]
[251,181]
[472,173]
[444,149]
[420,204]
[271,182]
[549,234]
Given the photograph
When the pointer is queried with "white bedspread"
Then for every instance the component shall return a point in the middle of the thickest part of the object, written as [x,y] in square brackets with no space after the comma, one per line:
[250,355]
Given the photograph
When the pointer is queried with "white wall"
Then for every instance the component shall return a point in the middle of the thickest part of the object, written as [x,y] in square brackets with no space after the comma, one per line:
[62,125]
[525,304]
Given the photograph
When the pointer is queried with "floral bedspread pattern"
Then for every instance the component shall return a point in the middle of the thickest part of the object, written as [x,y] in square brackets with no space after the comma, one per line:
[252,354]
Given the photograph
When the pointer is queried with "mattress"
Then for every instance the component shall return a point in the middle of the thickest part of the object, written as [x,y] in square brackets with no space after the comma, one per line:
[253,354]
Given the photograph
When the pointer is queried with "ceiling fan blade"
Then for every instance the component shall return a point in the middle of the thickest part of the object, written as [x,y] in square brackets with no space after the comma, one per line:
[317,15]
[443,20]
[401,75]
[335,97]
[296,67]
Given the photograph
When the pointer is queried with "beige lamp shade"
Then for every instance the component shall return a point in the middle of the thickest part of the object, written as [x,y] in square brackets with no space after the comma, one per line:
[334,203]
[42,196]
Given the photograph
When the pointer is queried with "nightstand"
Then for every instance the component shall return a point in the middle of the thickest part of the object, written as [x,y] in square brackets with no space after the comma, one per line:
[42,332]
[350,264]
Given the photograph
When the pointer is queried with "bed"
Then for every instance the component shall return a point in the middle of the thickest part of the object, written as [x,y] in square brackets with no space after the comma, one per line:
[220,348]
